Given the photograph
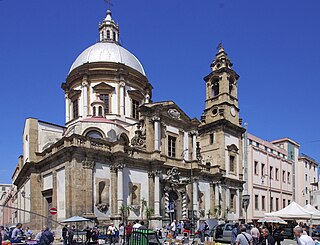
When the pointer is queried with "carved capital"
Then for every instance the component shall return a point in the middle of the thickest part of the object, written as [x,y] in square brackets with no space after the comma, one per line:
[86,164]
[157,173]
[151,174]
[122,84]
[155,119]
[193,133]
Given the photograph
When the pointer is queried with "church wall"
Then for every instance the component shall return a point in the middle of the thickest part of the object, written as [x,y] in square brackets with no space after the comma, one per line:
[204,189]
[48,134]
[101,173]
[229,140]
[30,140]
[61,194]
[27,200]
[140,179]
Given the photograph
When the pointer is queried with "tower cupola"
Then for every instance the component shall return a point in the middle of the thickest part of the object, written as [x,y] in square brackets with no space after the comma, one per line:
[221,60]
[109,30]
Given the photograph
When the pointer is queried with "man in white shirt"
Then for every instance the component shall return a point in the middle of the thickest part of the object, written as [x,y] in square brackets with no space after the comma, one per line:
[173,228]
[302,239]
[136,225]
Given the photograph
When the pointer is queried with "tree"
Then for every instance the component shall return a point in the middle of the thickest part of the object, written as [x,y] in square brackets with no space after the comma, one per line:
[145,209]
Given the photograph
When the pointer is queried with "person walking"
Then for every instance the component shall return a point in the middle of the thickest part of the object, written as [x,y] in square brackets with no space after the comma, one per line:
[244,238]
[302,239]
[173,228]
[71,232]
[278,234]
[234,234]
[267,239]
[65,235]
[46,237]
[255,233]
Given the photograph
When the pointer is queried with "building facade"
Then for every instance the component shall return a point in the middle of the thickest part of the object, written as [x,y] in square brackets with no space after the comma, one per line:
[270,178]
[307,185]
[119,150]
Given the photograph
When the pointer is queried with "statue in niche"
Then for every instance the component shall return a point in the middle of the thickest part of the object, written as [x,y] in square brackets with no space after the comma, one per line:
[135,194]
[201,200]
[102,195]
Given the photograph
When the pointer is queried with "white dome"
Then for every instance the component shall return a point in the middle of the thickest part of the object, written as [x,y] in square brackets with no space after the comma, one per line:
[108,52]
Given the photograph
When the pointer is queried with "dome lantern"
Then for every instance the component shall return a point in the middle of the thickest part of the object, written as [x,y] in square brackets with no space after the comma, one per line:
[109,30]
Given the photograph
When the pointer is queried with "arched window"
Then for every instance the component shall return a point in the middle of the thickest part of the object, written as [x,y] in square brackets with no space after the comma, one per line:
[108,34]
[94,111]
[100,111]
[94,134]
[114,36]
[215,89]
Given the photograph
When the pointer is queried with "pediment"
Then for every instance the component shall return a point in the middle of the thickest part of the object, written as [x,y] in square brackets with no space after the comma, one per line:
[136,94]
[103,88]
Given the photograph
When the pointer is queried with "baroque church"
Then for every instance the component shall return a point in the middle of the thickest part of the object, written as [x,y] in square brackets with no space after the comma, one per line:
[119,149]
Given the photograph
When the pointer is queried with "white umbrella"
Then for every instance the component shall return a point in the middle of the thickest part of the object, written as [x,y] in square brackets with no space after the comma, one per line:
[74,219]
[272,220]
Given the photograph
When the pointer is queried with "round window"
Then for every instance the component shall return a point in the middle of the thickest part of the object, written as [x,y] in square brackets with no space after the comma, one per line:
[214,111]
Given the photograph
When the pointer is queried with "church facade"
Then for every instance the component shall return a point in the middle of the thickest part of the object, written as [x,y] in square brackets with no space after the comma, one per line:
[122,154]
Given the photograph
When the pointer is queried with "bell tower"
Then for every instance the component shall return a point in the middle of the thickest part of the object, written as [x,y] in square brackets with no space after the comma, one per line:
[221,91]
[221,135]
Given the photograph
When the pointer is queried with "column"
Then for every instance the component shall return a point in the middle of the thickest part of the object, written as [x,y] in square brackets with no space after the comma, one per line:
[195,197]
[85,96]
[157,136]
[67,108]
[212,199]
[157,193]
[194,145]
[113,187]
[151,189]
[185,146]
[88,167]
[120,185]
[122,105]
[216,195]
[227,201]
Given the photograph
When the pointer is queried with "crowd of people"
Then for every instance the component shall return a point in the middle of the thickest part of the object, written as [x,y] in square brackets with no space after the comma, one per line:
[18,234]
[267,235]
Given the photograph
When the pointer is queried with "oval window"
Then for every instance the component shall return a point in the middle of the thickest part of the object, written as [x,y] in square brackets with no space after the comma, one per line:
[94,134]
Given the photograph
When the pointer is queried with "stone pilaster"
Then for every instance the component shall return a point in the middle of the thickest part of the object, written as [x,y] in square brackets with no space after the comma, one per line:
[67,101]
[157,193]
[194,145]
[122,85]
[157,133]
[84,86]
[151,189]
[120,186]
[88,167]
[195,197]
[185,146]
[212,199]
[113,187]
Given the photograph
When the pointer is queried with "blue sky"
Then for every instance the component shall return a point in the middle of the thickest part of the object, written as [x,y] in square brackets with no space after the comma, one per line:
[274,46]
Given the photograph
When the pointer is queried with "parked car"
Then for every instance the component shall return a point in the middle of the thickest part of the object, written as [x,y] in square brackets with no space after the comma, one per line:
[222,232]
[316,231]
